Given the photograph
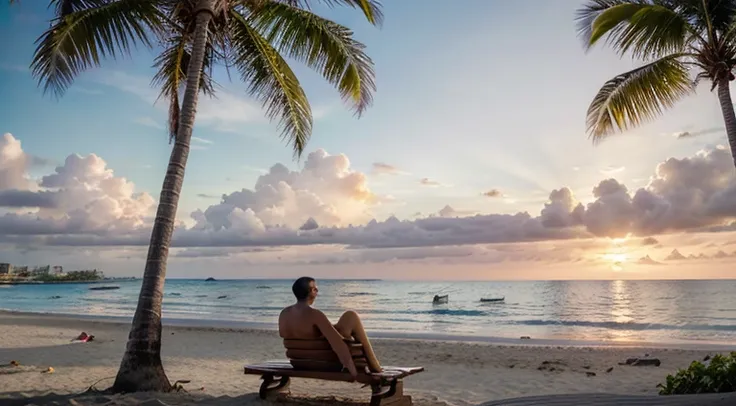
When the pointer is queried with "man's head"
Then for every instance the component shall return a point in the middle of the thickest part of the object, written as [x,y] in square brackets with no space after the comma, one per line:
[305,289]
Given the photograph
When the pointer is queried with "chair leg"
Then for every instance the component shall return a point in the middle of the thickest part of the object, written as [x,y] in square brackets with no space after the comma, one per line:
[389,395]
[268,385]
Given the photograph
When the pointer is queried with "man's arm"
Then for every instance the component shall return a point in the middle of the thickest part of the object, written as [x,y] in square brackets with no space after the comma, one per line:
[336,342]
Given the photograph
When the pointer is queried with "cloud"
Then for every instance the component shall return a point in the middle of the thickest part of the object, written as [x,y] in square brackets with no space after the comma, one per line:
[82,196]
[384,168]
[429,182]
[206,196]
[329,203]
[612,170]
[226,112]
[493,193]
[149,122]
[647,260]
[649,241]
[675,255]
[202,140]
[690,134]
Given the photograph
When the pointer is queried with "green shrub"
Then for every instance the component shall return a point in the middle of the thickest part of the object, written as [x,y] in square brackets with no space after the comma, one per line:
[718,376]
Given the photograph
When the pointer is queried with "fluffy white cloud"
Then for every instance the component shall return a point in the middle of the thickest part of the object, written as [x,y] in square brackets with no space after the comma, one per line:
[327,202]
[82,196]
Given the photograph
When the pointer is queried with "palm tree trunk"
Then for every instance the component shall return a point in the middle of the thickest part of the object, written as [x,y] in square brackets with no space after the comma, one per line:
[729,117]
[141,368]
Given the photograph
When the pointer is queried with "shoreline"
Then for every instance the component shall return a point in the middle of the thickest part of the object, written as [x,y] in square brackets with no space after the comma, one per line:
[237,326]
[456,373]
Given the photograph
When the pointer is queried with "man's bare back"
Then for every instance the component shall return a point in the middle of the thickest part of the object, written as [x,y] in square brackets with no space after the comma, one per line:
[301,321]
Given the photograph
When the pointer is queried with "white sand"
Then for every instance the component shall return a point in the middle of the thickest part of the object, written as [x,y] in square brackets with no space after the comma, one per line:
[456,373]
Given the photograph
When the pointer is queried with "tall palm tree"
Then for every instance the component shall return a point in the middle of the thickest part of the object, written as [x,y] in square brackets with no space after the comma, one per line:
[671,37]
[251,36]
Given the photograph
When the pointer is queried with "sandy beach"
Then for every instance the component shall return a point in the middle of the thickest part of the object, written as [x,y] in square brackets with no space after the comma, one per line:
[457,373]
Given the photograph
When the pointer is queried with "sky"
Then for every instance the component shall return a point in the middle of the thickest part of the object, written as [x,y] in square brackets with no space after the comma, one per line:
[472,163]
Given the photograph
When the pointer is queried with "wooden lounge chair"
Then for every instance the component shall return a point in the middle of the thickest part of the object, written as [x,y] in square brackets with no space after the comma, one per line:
[314,359]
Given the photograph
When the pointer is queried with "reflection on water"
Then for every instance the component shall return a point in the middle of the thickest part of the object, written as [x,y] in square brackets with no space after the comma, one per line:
[590,310]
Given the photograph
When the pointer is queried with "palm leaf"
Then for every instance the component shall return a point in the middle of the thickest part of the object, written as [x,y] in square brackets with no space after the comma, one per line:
[585,16]
[171,76]
[370,8]
[637,96]
[648,31]
[271,80]
[82,39]
[66,7]
[323,45]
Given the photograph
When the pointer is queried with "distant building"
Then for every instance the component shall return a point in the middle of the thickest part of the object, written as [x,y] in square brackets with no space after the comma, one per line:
[21,271]
[41,270]
[6,269]
[57,270]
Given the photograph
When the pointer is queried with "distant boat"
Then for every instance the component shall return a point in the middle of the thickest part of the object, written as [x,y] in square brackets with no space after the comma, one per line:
[493,300]
[210,279]
[440,299]
[104,287]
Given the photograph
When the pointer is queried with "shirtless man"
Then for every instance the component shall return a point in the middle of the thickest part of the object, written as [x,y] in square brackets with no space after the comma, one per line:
[301,321]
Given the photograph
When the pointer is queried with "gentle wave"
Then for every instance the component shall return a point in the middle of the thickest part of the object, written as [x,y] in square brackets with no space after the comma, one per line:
[657,311]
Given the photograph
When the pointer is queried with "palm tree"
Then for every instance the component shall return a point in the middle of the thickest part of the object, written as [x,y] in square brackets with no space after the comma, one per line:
[248,35]
[671,37]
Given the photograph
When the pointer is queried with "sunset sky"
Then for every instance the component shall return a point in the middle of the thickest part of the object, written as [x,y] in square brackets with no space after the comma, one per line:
[473,163]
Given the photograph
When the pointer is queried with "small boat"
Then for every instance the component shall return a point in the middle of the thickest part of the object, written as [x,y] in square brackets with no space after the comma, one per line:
[104,287]
[440,299]
[493,300]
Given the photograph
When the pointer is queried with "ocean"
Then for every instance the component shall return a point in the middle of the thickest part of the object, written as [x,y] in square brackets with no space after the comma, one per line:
[684,311]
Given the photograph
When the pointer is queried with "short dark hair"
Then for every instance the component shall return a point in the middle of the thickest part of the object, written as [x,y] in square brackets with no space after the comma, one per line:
[301,287]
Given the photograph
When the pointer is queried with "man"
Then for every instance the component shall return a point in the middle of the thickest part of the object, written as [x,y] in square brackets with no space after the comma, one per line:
[301,321]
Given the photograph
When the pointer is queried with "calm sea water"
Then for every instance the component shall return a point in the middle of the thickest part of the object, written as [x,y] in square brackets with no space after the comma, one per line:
[652,311]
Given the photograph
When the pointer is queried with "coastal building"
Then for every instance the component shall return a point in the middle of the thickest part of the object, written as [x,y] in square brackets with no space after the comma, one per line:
[57,270]
[40,270]
[6,269]
[20,271]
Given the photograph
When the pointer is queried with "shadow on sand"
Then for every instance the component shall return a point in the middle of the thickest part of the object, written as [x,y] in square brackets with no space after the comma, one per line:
[161,399]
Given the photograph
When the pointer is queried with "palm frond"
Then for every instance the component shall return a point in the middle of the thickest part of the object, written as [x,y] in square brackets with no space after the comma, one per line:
[271,80]
[646,30]
[171,76]
[66,7]
[370,8]
[585,16]
[323,45]
[637,96]
[82,39]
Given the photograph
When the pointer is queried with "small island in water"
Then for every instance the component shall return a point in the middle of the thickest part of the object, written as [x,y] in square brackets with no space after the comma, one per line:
[19,275]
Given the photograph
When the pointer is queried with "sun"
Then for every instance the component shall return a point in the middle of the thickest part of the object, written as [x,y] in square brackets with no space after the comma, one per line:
[616,259]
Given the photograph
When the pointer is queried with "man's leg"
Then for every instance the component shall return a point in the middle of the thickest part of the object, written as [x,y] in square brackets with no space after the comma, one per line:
[350,326]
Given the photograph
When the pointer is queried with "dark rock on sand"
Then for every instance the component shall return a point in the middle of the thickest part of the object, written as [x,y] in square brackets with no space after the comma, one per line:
[609,370]
[590,373]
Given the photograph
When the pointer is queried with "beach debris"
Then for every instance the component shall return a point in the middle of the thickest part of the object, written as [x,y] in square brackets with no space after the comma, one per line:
[645,361]
[588,373]
[84,337]
[525,338]
[608,371]
[14,363]
[551,366]
[49,370]
[586,366]
[707,357]
[512,365]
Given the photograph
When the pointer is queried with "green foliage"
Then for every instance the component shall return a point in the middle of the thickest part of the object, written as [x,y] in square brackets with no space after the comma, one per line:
[688,40]
[254,36]
[73,276]
[718,376]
